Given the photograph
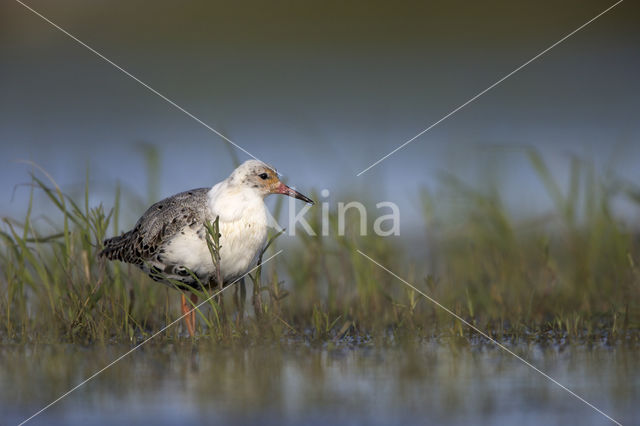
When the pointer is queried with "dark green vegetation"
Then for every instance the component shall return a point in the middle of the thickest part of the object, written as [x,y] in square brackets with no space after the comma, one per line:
[570,275]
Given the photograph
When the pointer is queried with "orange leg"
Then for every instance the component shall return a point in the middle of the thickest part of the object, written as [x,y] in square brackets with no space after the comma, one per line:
[190,314]
[194,301]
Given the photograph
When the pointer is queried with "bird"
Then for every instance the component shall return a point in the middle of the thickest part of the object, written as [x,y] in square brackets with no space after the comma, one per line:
[169,241]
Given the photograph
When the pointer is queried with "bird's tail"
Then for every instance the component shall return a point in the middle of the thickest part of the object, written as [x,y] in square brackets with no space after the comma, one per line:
[114,248]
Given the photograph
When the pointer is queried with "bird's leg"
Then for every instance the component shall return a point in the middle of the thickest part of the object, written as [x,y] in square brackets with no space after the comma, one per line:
[223,316]
[257,300]
[239,295]
[194,301]
[187,315]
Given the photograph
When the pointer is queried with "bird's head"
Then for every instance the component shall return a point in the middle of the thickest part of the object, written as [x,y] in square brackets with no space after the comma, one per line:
[263,179]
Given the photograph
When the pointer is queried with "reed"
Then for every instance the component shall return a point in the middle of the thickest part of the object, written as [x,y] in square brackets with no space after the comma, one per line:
[572,274]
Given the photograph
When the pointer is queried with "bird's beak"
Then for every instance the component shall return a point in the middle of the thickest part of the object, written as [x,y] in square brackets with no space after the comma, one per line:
[284,189]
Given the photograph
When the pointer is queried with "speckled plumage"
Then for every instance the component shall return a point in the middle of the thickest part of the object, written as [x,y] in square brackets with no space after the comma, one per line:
[145,245]
[169,241]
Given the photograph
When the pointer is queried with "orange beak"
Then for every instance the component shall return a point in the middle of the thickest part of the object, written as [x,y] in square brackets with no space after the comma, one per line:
[284,189]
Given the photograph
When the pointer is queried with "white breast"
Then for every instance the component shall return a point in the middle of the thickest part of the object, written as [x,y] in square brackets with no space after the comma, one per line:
[242,242]
[243,229]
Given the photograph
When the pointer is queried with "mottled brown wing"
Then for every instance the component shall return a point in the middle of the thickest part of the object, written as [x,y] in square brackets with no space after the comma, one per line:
[156,226]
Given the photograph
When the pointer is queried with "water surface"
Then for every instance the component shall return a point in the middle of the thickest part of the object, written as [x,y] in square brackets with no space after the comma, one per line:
[433,382]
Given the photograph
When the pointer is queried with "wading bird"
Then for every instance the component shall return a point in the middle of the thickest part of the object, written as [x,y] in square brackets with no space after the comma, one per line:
[169,241]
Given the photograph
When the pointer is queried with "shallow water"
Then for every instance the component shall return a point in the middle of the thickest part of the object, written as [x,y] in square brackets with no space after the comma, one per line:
[435,382]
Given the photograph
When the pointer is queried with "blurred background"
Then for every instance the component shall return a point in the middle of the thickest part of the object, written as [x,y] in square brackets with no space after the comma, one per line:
[321,91]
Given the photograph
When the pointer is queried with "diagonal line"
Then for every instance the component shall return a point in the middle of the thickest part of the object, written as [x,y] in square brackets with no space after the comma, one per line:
[93,376]
[128,74]
[490,87]
[501,346]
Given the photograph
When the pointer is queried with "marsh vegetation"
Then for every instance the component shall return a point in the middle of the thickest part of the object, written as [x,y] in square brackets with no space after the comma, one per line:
[572,274]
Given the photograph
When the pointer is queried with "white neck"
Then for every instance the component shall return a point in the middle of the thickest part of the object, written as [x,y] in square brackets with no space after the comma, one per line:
[231,202]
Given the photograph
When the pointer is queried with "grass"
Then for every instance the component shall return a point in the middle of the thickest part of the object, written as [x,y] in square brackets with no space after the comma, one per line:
[573,274]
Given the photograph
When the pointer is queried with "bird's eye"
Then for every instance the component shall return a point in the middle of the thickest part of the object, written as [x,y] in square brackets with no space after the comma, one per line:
[263,176]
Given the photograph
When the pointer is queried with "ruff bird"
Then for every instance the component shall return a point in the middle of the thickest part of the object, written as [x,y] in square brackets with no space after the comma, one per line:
[169,241]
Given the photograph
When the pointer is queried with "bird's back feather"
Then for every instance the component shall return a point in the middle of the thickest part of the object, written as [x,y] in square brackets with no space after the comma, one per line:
[157,225]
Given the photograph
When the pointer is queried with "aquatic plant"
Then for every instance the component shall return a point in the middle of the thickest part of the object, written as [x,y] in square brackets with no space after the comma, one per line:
[570,274]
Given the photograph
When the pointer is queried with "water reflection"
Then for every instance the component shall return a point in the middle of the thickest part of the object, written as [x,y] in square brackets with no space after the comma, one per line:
[418,383]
